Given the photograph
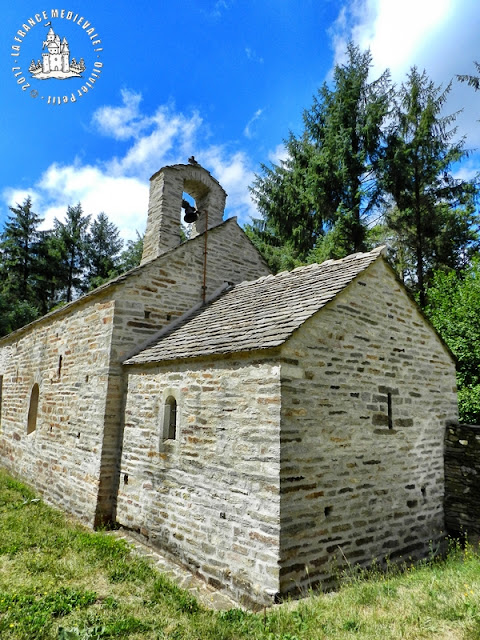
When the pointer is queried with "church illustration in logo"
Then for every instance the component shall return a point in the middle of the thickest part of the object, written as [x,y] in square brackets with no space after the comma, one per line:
[56,61]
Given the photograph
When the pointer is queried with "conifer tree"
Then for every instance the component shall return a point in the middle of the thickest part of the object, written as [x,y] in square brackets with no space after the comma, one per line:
[131,255]
[72,239]
[102,251]
[48,281]
[471,80]
[432,208]
[19,245]
[328,181]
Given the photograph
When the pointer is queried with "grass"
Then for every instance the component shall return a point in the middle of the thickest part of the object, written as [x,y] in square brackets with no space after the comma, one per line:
[60,581]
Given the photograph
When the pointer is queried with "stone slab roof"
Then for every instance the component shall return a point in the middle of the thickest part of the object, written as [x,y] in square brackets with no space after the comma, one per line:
[256,315]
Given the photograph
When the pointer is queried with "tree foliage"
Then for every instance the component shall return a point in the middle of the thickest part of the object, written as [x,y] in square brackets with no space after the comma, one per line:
[453,306]
[376,165]
[131,255]
[72,241]
[328,183]
[433,212]
[41,269]
[472,81]
[19,249]
[102,251]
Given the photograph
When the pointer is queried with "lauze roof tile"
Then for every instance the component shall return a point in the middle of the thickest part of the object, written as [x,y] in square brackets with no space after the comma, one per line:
[259,314]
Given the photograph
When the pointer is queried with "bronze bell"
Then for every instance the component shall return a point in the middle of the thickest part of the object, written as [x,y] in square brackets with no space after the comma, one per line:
[191,214]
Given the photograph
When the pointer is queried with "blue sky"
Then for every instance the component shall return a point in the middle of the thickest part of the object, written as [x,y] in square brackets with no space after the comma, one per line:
[224,80]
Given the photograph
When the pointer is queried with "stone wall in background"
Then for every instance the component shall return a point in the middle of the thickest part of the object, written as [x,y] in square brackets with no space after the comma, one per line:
[462,480]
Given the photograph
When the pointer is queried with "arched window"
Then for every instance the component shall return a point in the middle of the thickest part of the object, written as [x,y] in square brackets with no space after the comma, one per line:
[33,410]
[170,419]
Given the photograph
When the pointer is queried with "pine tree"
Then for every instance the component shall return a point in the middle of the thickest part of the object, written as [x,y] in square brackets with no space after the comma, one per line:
[431,206]
[72,239]
[102,251]
[19,248]
[472,81]
[131,255]
[328,181]
[49,269]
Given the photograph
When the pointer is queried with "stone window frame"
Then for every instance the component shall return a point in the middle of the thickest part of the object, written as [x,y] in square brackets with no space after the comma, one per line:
[32,416]
[168,395]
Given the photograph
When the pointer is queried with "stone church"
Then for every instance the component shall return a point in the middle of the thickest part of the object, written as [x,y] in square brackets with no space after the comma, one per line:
[260,429]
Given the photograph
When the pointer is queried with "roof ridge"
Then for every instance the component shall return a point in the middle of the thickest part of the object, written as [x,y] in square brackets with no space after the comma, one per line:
[256,314]
[285,273]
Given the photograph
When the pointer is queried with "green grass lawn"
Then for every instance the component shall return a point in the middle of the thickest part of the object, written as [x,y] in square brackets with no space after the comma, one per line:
[60,581]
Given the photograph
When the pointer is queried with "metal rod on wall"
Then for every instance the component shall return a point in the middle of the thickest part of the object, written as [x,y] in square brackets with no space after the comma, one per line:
[204,287]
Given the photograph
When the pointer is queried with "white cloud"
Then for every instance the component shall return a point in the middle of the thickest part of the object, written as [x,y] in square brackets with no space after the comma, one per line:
[467,171]
[13,197]
[253,56]
[278,154]
[440,36]
[395,32]
[220,7]
[119,186]
[161,138]
[234,173]
[248,131]
[171,139]
[123,199]
[121,122]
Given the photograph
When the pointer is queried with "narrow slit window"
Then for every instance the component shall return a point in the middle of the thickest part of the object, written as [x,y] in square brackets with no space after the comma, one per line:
[33,409]
[1,397]
[170,419]
[60,362]
[389,409]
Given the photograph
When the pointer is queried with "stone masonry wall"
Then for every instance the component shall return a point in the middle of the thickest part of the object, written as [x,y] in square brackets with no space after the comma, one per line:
[93,337]
[168,287]
[165,206]
[68,357]
[210,497]
[367,390]
[149,300]
[462,470]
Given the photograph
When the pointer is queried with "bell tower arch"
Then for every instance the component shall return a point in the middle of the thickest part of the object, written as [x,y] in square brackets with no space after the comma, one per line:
[167,187]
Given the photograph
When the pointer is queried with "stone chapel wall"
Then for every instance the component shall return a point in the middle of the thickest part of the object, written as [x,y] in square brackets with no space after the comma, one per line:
[88,342]
[152,297]
[164,289]
[366,394]
[210,497]
[67,356]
